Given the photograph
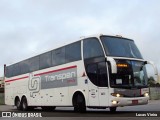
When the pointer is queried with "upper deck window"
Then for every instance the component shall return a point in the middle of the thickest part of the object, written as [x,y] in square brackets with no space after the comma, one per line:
[92,48]
[120,47]
[73,52]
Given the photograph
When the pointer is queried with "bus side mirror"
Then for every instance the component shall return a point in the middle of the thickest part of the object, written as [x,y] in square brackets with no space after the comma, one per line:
[154,67]
[113,65]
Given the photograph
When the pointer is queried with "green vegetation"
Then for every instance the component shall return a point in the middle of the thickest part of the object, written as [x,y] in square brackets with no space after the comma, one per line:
[152,82]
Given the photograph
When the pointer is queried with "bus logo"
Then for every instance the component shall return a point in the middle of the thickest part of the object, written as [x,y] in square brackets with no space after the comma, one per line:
[34,84]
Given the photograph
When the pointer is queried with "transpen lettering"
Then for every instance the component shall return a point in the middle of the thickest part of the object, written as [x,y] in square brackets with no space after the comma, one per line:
[60,76]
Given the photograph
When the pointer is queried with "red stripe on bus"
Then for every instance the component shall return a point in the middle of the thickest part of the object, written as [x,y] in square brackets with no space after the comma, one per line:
[55,70]
[42,73]
[16,79]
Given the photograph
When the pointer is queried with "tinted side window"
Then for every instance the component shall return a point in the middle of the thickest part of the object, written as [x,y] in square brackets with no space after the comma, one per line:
[34,63]
[92,73]
[58,56]
[73,52]
[97,74]
[13,70]
[102,75]
[9,71]
[16,69]
[92,48]
[24,66]
[45,60]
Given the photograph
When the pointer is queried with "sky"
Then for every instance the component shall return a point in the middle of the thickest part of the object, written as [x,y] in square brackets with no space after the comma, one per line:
[30,27]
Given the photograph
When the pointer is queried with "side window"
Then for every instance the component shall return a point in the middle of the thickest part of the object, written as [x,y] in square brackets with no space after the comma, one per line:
[92,48]
[24,66]
[13,70]
[34,63]
[97,73]
[9,71]
[92,73]
[58,56]
[102,75]
[16,69]
[45,60]
[73,52]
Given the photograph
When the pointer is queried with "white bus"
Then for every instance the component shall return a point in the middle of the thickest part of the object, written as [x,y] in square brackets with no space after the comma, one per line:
[94,72]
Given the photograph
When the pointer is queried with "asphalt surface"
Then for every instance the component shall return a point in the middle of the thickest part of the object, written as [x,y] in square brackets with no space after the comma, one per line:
[125,113]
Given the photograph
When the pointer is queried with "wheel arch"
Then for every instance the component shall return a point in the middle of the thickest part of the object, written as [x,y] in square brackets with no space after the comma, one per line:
[77,93]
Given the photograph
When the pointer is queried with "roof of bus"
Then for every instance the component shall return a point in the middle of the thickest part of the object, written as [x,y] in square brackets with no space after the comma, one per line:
[81,38]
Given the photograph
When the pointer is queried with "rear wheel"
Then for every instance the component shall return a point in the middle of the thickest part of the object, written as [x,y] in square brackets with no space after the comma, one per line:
[79,103]
[18,104]
[24,104]
[113,109]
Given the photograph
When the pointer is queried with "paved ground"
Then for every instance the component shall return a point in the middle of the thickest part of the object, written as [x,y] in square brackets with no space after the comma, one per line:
[122,113]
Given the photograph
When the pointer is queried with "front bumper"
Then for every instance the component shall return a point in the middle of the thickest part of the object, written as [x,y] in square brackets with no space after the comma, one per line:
[124,101]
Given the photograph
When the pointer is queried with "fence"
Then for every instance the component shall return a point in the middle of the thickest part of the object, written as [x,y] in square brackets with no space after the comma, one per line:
[1,96]
[154,93]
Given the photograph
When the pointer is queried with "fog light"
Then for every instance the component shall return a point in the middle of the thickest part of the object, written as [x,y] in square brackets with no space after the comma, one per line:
[146,95]
[114,102]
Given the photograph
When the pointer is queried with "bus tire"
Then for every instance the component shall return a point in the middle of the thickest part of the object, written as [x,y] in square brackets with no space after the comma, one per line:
[113,109]
[79,104]
[18,104]
[24,104]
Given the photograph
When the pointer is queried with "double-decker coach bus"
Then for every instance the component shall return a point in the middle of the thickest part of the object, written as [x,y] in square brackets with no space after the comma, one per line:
[95,72]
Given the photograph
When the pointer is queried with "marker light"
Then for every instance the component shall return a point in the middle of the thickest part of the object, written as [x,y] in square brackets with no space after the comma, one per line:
[146,95]
[119,36]
[114,102]
[116,95]
[122,65]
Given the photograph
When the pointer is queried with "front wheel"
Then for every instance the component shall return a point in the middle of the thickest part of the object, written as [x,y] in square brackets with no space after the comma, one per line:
[79,104]
[113,109]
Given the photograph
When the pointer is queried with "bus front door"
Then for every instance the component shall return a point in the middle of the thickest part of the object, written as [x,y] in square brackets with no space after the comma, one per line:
[93,89]
[98,84]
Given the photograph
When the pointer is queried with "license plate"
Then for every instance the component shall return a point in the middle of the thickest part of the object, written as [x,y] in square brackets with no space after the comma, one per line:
[134,102]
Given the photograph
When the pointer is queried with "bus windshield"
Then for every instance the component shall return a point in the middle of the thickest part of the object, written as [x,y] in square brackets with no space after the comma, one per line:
[130,74]
[120,47]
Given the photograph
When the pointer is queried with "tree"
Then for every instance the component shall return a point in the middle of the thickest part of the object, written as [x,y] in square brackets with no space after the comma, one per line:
[151,81]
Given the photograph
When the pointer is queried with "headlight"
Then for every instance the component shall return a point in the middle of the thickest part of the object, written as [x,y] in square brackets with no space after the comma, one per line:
[146,95]
[116,95]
